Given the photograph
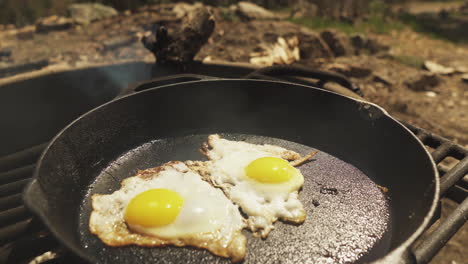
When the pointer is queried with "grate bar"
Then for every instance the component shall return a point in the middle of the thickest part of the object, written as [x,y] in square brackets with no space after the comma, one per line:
[458,152]
[435,141]
[13,215]
[457,194]
[441,152]
[442,170]
[12,232]
[13,188]
[10,201]
[17,174]
[422,136]
[435,241]
[464,182]
[453,175]
[21,158]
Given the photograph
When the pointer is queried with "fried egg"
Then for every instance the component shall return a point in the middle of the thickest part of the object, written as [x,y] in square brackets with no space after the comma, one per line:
[258,178]
[169,205]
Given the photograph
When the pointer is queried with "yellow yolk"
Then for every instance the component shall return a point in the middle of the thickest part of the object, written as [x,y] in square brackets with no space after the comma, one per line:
[153,208]
[270,170]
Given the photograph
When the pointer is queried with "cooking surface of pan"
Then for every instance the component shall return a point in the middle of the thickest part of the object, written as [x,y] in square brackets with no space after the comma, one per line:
[347,215]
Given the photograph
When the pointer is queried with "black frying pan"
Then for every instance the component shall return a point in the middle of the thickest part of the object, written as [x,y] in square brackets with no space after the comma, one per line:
[349,218]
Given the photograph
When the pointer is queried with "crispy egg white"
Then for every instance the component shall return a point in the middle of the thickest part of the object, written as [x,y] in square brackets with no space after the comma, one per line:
[207,219]
[262,202]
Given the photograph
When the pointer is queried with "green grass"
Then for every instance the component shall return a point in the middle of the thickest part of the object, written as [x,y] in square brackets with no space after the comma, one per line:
[382,25]
[446,1]
[451,29]
[228,15]
[378,21]
[324,23]
[374,24]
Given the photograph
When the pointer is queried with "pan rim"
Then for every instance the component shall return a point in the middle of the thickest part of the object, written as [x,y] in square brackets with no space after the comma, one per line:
[391,257]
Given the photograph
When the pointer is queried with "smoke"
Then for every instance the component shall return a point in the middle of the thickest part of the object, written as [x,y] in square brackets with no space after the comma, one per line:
[118,78]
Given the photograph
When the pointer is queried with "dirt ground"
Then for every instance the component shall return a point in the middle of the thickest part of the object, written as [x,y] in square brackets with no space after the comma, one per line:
[445,113]
[441,108]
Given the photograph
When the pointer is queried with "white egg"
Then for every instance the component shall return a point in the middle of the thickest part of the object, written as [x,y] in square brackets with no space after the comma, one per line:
[207,219]
[263,203]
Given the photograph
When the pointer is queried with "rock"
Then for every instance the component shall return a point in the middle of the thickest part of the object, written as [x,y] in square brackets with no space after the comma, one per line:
[379,78]
[437,68]
[250,11]
[362,44]
[182,9]
[26,32]
[349,70]
[53,23]
[401,106]
[423,82]
[338,42]
[463,9]
[83,58]
[304,8]
[312,46]
[464,77]
[459,66]
[450,103]
[444,14]
[431,94]
[270,37]
[373,46]
[358,41]
[461,69]
[118,42]
[88,12]
[5,52]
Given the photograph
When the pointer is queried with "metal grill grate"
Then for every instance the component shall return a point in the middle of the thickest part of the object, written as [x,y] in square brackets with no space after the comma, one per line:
[23,238]
[453,185]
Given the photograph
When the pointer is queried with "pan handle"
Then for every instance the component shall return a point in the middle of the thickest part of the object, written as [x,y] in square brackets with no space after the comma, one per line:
[301,71]
[172,79]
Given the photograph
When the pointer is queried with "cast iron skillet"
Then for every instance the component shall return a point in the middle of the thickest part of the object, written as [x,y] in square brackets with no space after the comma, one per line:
[349,218]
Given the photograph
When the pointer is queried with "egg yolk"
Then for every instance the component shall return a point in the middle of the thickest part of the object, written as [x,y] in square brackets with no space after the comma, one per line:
[153,208]
[270,170]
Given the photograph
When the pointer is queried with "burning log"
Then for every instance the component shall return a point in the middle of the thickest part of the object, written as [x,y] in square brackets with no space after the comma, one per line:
[180,45]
